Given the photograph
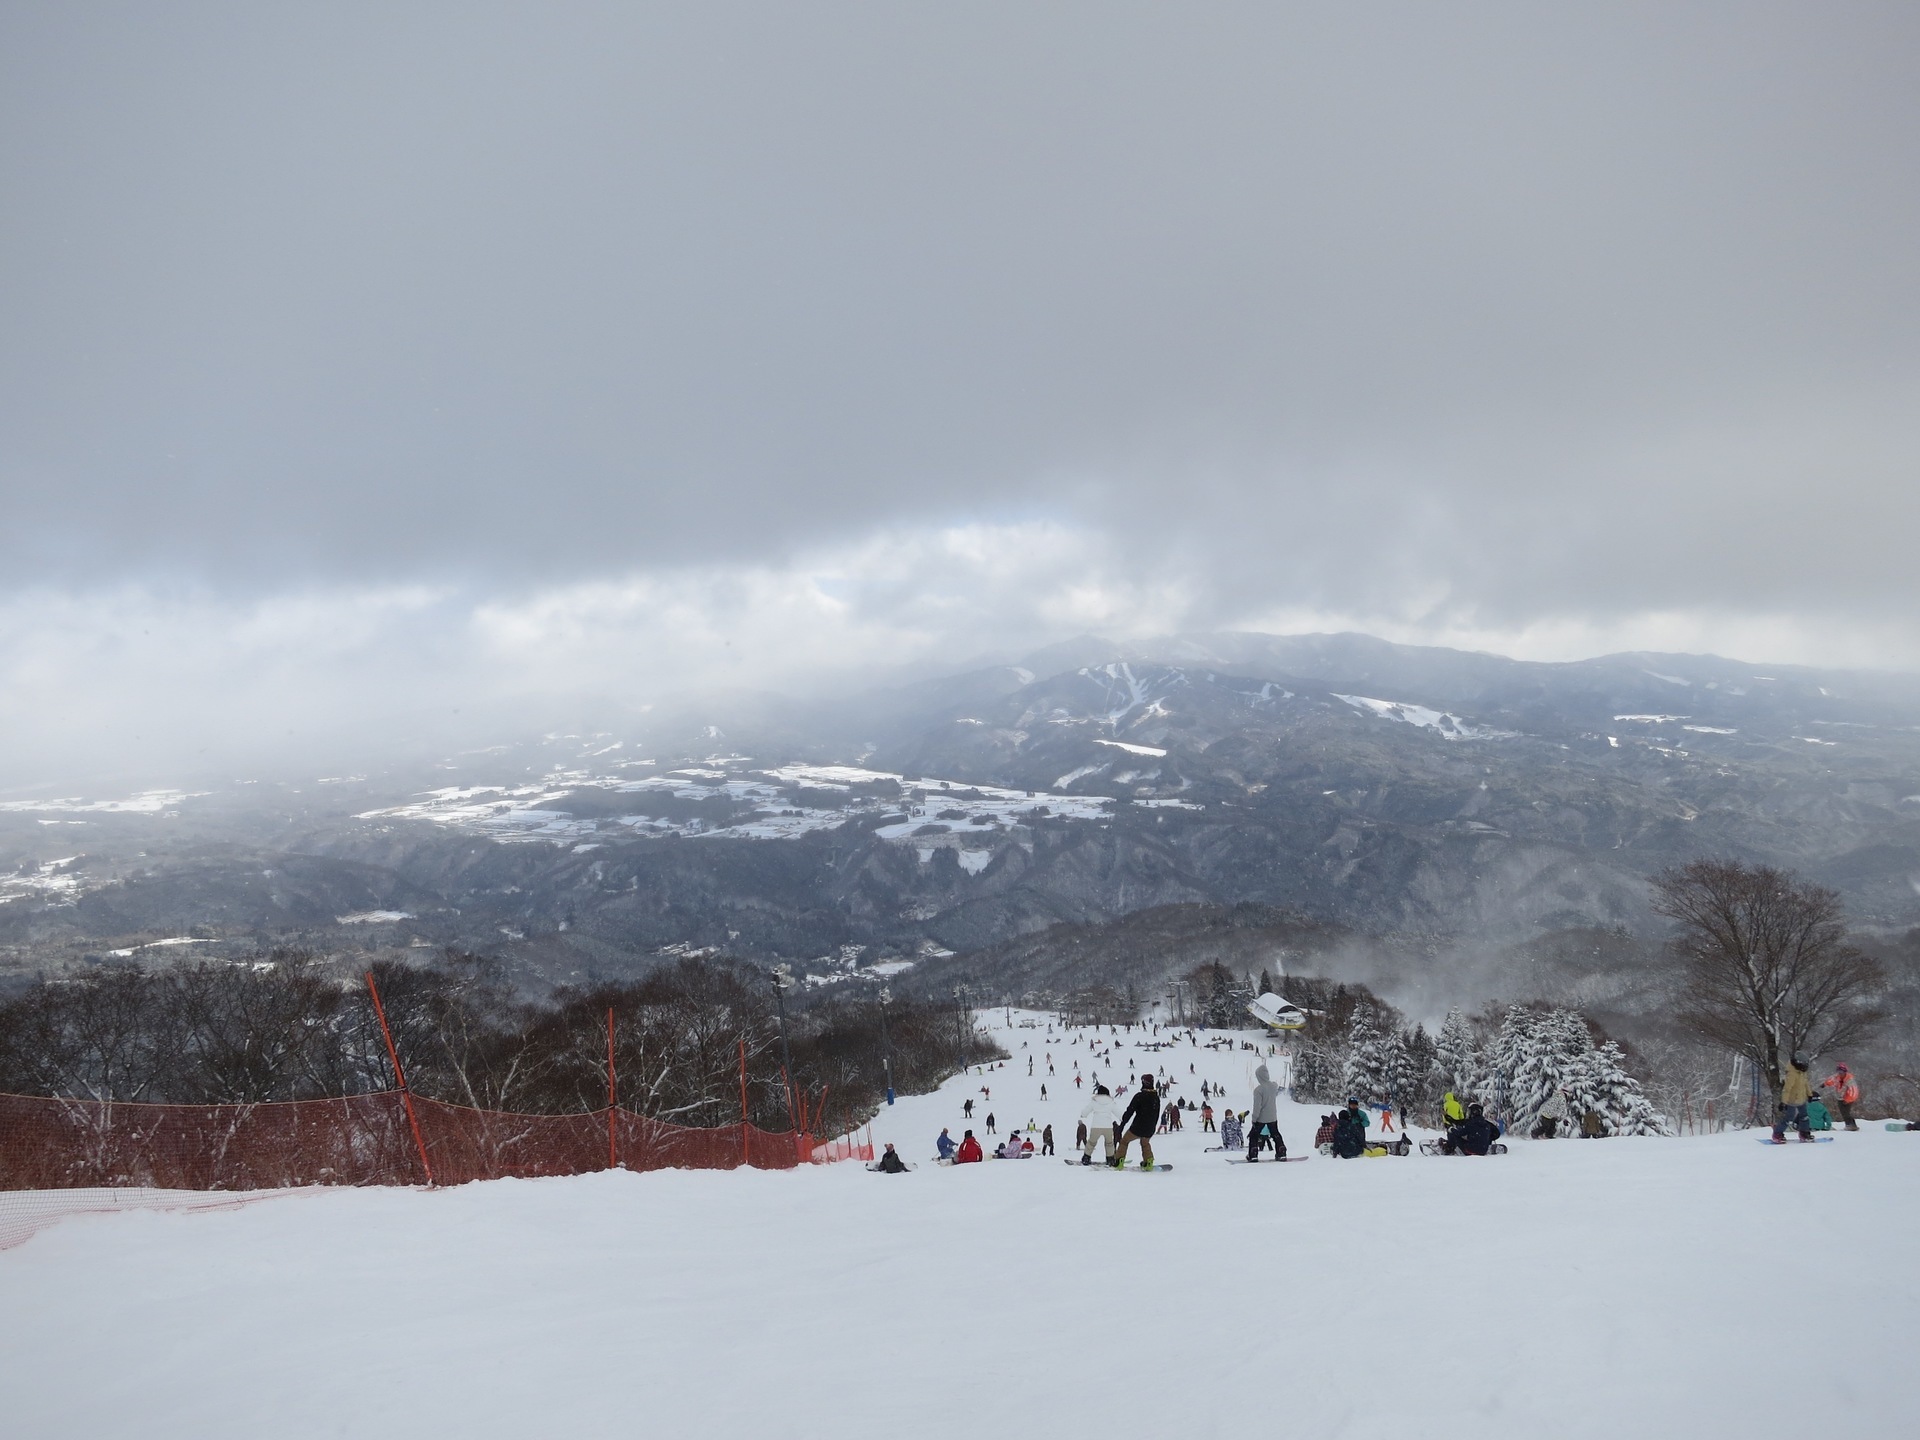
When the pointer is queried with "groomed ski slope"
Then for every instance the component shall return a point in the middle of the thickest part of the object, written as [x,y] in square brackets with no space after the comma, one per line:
[1658,1288]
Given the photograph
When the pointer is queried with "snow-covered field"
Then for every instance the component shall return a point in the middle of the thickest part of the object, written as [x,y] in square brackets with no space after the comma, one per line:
[1658,1288]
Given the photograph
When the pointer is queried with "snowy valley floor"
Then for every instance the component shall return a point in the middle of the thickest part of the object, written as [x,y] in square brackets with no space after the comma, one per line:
[1651,1288]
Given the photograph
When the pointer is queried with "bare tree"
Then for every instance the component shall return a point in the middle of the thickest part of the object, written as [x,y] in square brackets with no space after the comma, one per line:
[1769,969]
[96,1037]
[249,1032]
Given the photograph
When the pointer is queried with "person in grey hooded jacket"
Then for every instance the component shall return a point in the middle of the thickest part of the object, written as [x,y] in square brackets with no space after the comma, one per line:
[1263,1124]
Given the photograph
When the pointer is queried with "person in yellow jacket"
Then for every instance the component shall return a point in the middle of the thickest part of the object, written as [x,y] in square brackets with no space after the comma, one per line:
[1453,1110]
[1846,1091]
[1796,1088]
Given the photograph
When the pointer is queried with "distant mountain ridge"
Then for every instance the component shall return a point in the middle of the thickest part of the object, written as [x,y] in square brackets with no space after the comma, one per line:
[1470,799]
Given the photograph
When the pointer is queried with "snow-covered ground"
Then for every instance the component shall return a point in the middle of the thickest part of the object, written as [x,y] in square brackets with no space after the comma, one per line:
[926,811]
[1660,1288]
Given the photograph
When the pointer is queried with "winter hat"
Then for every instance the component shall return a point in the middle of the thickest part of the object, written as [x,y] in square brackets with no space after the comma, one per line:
[1799,1060]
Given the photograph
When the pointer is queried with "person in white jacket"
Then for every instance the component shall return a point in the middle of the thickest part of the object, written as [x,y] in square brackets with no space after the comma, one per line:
[1100,1117]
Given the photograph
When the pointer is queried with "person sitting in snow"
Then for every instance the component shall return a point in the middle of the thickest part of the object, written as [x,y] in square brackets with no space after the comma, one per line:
[969,1152]
[1472,1136]
[1350,1130]
[891,1163]
[1230,1131]
[945,1144]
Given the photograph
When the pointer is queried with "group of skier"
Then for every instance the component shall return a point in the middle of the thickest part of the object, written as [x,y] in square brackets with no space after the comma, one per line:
[1107,1131]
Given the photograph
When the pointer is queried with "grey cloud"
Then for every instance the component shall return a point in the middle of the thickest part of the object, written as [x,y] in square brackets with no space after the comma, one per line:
[1466,317]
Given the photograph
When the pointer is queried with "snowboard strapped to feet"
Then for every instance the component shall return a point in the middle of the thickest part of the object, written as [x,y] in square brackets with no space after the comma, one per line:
[1265,1159]
[1103,1165]
[1434,1147]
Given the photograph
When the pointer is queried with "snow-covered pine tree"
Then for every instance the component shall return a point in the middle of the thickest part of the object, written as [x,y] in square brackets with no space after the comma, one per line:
[1365,1074]
[1266,983]
[1456,1058]
[1413,1073]
[1221,1012]
[1608,1088]
[1316,1075]
[1506,1059]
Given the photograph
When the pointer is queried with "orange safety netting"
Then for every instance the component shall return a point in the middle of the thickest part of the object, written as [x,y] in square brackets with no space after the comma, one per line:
[54,1144]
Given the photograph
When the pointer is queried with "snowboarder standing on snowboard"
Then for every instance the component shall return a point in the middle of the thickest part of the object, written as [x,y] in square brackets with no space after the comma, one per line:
[1137,1122]
[1266,1118]
[1796,1088]
[1099,1122]
[1846,1092]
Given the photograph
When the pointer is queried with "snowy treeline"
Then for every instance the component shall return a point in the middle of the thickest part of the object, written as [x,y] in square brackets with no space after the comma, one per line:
[1514,1070]
[283,1026]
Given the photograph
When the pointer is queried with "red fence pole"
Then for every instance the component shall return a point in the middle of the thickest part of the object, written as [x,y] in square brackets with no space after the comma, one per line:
[400,1077]
[745,1132]
[613,1100]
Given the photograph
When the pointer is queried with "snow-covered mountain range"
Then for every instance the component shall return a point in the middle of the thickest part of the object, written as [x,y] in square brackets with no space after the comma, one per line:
[1458,804]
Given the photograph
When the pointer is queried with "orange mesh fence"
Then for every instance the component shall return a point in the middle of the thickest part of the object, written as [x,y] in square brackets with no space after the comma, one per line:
[52,1144]
[847,1147]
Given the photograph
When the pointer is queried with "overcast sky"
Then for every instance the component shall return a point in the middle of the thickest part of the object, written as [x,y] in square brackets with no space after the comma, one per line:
[354,354]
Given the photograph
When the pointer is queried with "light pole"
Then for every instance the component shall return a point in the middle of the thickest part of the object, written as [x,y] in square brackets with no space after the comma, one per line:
[886,1045]
[782,978]
[960,1016]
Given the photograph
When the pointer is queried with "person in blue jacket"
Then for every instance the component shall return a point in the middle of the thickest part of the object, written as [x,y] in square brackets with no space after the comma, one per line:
[945,1144]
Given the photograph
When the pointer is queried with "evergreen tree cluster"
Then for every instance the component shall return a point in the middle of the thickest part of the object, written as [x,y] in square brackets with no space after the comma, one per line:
[1537,1052]
[1534,1053]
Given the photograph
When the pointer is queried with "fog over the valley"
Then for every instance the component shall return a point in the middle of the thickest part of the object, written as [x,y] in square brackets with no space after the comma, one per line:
[431,367]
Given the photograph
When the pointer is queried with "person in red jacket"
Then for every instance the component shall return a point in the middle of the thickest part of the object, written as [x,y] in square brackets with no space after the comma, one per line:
[969,1151]
[1846,1091]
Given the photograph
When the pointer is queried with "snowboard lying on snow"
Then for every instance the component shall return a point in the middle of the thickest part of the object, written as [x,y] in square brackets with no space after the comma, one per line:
[1817,1140]
[1432,1147]
[1264,1159]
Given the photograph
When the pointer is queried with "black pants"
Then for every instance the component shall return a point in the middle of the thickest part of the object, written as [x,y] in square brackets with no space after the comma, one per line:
[1263,1132]
[1846,1114]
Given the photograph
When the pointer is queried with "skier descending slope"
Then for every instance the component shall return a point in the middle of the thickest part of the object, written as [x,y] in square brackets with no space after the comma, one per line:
[1137,1122]
[1265,1118]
